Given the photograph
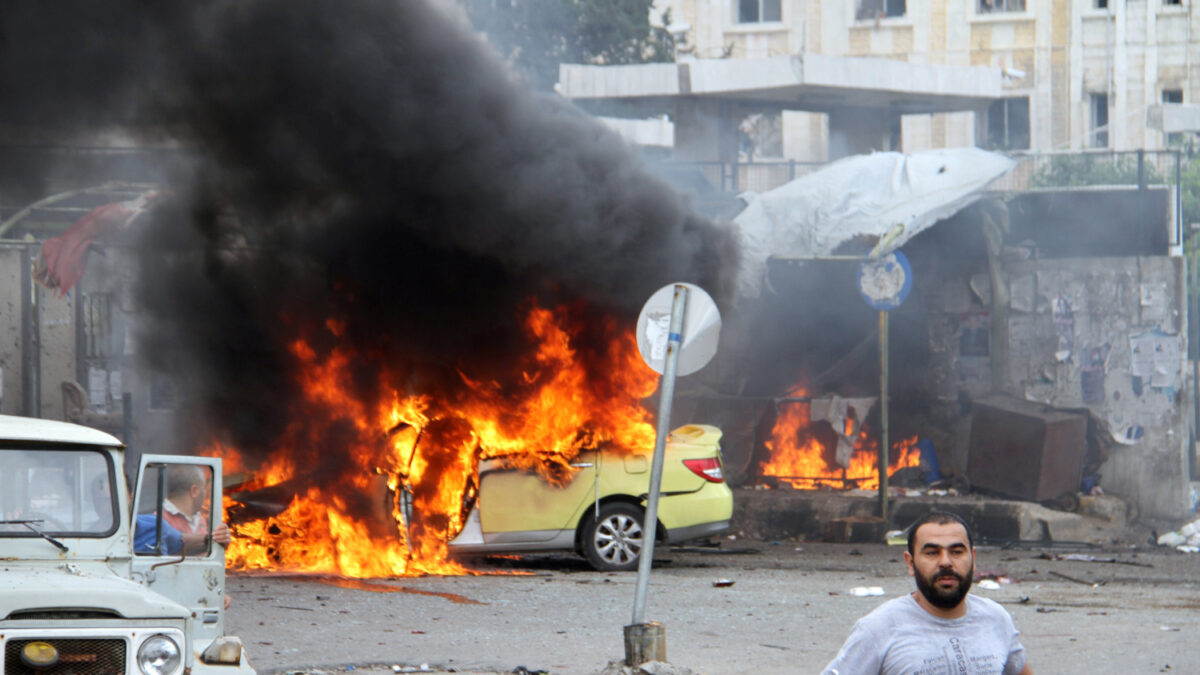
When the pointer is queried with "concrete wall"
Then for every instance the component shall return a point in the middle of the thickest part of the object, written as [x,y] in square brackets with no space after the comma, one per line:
[55,333]
[10,329]
[1103,334]
[56,321]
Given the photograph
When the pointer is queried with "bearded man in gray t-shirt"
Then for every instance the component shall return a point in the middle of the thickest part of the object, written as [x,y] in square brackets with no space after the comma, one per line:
[938,629]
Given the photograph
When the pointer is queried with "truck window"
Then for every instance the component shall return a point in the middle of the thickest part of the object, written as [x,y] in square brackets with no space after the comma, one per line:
[174,514]
[66,492]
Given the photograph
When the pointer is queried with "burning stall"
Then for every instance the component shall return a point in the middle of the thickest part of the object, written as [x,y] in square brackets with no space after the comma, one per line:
[807,353]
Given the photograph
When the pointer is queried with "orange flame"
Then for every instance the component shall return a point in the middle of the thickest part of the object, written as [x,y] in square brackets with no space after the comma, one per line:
[800,456]
[425,448]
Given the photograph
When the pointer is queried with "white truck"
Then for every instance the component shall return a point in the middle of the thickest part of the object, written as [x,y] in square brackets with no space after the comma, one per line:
[87,586]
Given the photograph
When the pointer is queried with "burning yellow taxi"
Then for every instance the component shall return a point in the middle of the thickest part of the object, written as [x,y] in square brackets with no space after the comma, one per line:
[599,510]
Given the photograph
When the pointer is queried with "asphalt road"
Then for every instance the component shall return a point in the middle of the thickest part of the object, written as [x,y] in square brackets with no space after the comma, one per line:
[787,611]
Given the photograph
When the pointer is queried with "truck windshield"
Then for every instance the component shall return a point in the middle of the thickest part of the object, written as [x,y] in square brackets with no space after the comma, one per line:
[63,492]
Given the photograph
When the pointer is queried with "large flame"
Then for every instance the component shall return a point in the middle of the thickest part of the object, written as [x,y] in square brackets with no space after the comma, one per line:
[424,447]
[800,456]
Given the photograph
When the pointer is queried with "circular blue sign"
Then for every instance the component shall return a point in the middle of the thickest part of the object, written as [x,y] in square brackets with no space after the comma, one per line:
[886,282]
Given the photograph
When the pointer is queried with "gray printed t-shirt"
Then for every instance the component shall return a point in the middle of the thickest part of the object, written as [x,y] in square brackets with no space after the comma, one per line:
[901,637]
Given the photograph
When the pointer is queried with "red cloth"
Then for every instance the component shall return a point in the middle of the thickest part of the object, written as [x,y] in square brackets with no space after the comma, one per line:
[63,259]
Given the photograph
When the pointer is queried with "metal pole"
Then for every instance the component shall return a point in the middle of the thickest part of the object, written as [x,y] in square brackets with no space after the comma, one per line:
[127,419]
[883,414]
[649,528]
[31,338]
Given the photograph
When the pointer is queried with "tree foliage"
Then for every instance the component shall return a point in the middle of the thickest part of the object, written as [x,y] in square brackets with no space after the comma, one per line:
[1121,169]
[1089,169]
[535,36]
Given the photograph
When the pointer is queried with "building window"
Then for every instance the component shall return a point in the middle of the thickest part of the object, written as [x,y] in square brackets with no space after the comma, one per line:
[1099,127]
[759,11]
[877,9]
[1008,124]
[1172,2]
[1173,97]
[1101,4]
[989,6]
[760,136]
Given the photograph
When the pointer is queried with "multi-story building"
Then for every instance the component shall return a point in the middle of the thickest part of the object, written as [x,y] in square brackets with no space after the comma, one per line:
[1075,74]
[817,80]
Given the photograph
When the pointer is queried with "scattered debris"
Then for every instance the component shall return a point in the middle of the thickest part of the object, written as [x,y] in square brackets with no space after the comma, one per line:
[1077,580]
[996,576]
[988,584]
[649,668]
[741,550]
[722,583]
[1186,538]
[866,591]
[1082,557]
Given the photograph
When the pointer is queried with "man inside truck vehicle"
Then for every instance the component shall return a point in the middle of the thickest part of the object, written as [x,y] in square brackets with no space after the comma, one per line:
[72,585]
[185,516]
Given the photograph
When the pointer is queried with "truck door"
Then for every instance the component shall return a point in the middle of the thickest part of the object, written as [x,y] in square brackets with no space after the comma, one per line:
[177,505]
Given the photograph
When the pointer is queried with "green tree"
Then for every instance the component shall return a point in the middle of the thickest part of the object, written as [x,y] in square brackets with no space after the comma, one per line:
[537,35]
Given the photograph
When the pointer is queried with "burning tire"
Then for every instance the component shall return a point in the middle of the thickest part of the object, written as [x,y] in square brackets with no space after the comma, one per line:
[613,541]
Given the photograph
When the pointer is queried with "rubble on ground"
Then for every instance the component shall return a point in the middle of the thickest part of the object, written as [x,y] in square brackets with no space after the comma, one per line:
[648,668]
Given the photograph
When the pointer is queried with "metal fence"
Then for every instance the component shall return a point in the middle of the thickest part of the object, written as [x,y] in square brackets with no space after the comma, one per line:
[1101,169]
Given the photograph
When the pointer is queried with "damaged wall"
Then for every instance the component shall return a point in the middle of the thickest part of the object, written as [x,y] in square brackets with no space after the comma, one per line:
[1102,334]
[10,329]
[54,333]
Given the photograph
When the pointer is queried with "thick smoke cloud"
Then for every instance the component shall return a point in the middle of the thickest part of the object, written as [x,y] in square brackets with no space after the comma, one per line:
[369,162]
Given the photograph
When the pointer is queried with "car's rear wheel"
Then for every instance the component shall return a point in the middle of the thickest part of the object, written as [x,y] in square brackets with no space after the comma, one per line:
[613,541]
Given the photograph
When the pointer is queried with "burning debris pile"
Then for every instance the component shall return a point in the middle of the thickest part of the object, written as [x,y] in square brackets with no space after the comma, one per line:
[826,442]
[384,262]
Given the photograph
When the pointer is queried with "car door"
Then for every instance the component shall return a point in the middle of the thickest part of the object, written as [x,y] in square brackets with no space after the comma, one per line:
[196,579]
[517,505]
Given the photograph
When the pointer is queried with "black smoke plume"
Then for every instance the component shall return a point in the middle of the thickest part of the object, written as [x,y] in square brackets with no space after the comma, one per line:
[369,163]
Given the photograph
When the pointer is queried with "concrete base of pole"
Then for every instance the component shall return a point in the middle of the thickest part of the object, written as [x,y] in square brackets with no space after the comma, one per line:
[645,642]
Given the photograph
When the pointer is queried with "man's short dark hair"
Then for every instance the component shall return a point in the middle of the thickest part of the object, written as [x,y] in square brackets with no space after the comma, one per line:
[937,518]
[181,478]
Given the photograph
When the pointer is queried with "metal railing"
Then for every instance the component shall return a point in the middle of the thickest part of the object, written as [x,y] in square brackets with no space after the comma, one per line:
[1099,169]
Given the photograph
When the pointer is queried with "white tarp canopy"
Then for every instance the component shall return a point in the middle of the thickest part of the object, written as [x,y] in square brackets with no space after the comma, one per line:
[864,195]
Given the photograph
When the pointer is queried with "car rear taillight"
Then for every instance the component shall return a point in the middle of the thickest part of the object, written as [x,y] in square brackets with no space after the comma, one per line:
[708,469]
